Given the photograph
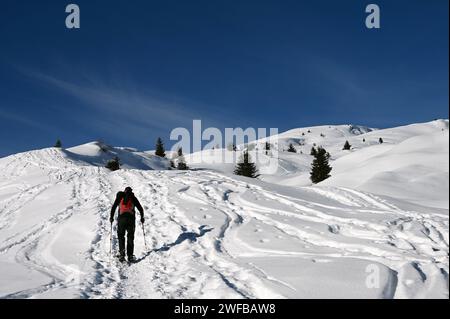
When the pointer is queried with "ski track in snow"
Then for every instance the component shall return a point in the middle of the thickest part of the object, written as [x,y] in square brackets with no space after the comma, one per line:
[204,257]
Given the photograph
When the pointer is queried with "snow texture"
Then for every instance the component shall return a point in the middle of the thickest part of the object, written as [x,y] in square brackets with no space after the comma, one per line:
[211,234]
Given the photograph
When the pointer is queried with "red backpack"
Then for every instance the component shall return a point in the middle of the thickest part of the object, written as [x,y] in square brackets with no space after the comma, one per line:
[126,208]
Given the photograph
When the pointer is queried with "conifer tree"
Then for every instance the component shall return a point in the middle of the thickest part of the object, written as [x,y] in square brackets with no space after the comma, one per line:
[347,146]
[160,151]
[380,140]
[291,148]
[313,151]
[267,148]
[246,167]
[181,165]
[320,169]
[113,164]
[58,143]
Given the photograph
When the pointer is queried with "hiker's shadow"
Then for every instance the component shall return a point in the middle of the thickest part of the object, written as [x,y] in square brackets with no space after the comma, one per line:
[185,235]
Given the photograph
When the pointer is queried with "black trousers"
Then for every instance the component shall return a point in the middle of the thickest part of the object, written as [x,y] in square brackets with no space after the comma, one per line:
[126,224]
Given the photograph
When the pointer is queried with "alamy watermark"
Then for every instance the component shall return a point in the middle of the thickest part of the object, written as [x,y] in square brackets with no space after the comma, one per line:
[213,146]
[373,276]
[372,20]
[73,19]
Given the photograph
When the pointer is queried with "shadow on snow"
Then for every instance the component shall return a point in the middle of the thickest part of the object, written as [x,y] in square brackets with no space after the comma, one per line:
[185,235]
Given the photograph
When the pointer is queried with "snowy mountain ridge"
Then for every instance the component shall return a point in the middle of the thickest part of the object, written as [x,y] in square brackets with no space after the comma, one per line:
[212,234]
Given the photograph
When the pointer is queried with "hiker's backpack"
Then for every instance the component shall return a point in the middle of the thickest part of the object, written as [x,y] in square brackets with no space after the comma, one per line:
[126,208]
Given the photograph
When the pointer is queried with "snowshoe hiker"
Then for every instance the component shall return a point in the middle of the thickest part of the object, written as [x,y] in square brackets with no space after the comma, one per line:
[126,222]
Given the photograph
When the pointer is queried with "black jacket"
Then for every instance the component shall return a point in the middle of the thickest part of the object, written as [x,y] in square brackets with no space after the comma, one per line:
[119,197]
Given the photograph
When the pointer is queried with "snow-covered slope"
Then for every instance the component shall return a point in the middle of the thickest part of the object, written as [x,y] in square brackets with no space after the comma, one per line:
[97,153]
[412,163]
[290,166]
[360,234]
[415,169]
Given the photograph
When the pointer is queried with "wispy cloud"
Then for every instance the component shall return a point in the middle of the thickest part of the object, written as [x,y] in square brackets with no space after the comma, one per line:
[342,81]
[23,120]
[119,106]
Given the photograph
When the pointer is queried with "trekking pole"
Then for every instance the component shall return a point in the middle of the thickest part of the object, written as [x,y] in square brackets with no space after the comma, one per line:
[143,231]
[110,241]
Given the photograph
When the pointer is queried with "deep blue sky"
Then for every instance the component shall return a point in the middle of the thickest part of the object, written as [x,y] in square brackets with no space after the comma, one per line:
[137,69]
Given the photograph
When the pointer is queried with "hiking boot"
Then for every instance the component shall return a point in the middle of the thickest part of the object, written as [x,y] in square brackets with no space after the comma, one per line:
[121,258]
[131,259]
